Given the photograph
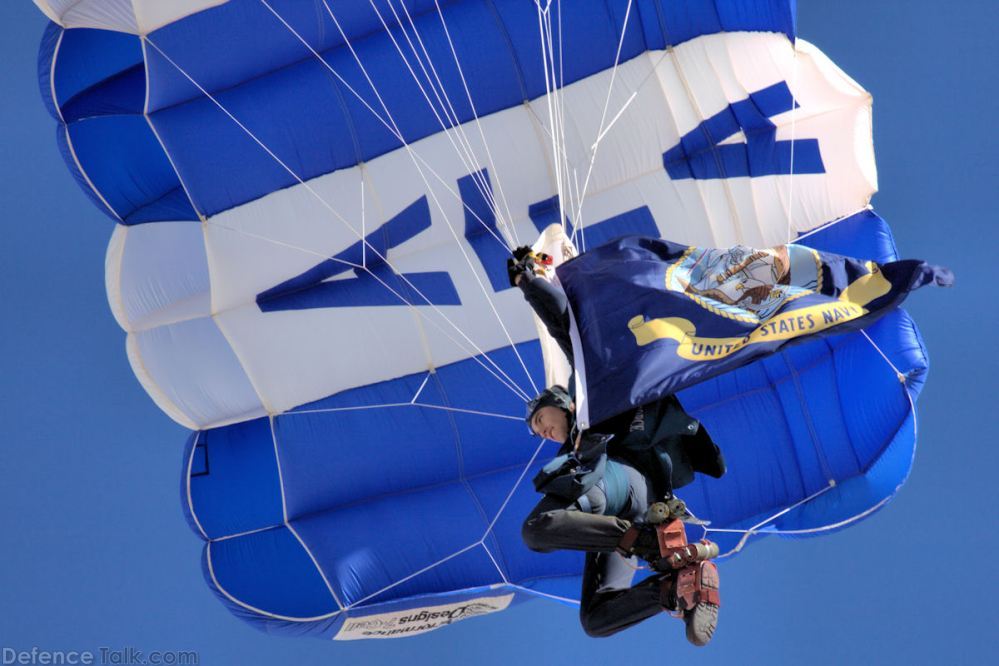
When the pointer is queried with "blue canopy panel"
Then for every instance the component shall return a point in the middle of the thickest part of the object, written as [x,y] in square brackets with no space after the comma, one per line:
[128,109]
[831,410]
[310,530]
[308,525]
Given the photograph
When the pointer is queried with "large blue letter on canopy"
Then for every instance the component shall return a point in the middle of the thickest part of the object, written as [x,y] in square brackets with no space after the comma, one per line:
[312,201]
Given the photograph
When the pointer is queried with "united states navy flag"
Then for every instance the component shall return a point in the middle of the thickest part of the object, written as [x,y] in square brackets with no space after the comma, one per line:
[651,317]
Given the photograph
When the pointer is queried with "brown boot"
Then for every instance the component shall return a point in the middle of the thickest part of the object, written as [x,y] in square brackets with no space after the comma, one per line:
[693,592]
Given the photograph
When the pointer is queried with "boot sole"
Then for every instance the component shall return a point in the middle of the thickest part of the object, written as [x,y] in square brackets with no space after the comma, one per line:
[702,620]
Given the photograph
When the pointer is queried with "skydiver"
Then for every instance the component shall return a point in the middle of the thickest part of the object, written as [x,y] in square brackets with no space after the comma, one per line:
[599,488]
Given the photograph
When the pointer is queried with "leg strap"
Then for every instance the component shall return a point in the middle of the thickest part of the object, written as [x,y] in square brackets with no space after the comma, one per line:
[626,546]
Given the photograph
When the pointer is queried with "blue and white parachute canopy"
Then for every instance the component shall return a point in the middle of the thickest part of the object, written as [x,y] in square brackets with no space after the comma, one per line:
[314,203]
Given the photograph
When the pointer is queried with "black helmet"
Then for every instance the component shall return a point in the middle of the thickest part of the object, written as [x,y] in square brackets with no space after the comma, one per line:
[553,396]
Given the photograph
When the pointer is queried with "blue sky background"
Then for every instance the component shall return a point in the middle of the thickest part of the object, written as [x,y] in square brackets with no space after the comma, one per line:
[95,550]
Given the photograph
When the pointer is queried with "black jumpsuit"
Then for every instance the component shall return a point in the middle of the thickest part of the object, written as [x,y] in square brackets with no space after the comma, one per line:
[595,521]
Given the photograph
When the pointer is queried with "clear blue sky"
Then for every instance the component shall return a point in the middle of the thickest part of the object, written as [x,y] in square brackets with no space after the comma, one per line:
[95,550]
